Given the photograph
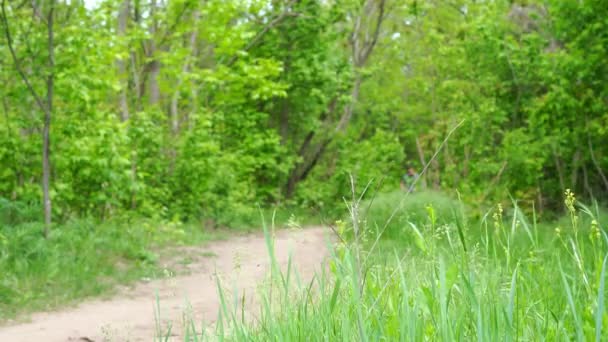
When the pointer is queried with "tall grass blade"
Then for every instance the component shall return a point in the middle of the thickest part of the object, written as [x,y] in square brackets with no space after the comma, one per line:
[443,302]
[577,322]
[600,303]
[460,227]
[419,238]
[334,296]
[512,294]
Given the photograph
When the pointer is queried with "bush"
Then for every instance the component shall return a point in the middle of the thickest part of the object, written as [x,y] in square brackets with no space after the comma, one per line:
[417,208]
[13,213]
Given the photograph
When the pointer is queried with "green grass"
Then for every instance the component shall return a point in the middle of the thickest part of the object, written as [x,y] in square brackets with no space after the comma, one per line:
[81,258]
[280,216]
[391,214]
[85,257]
[503,277]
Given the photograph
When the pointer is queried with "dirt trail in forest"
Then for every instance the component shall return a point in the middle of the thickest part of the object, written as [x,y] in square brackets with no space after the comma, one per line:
[129,316]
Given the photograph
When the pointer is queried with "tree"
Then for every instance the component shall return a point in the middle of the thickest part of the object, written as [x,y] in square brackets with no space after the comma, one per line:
[46,104]
[367,19]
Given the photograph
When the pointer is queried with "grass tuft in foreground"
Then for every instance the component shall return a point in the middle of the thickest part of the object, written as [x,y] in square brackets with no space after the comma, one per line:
[503,277]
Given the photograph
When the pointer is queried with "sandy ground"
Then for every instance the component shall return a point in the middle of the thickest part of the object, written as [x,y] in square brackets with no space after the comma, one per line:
[241,263]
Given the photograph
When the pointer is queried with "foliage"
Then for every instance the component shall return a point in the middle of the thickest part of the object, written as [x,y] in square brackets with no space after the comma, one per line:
[251,93]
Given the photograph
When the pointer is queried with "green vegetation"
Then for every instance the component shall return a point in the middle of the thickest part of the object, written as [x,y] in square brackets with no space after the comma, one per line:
[209,109]
[84,258]
[87,257]
[504,277]
[127,125]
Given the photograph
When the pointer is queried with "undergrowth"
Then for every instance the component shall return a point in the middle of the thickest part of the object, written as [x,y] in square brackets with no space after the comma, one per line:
[79,259]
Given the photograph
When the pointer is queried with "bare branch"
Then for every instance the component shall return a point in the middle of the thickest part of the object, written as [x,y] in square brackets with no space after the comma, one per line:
[369,45]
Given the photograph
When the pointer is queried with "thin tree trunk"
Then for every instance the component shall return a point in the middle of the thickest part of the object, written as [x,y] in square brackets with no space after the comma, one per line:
[123,75]
[9,132]
[136,82]
[575,166]
[348,110]
[139,93]
[586,182]
[45,106]
[123,16]
[46,140]
[284,122]
[541,202]
[560,172]
[285,105]
[135,69]
[154,66]
[174,110]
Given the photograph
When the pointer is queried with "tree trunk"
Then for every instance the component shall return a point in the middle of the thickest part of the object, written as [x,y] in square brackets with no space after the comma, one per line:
[46,106]
[46,140]
[139,93]
[284,122]
[586,184]
[154,66]
[559,168]
[123,16]
[575,166]
[285,105]
[362,40]
[174,110]
[348,110]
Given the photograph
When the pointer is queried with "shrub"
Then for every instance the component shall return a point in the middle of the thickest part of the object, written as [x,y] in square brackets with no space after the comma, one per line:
[393,212]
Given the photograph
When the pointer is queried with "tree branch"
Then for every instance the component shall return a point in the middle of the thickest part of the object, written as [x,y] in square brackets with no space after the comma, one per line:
[16,62]
[177,21]
[286,13]
[369,47]
[36,12]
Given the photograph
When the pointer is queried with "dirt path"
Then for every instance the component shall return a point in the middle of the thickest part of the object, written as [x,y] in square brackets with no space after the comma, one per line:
[129,316]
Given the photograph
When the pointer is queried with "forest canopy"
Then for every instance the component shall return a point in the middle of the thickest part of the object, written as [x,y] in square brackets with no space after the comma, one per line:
[195,109]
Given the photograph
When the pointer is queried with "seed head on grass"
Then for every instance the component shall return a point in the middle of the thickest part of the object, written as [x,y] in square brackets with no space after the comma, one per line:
[498,224]
[570,202]
[595,232]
